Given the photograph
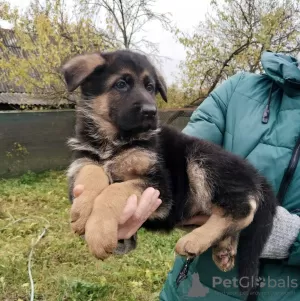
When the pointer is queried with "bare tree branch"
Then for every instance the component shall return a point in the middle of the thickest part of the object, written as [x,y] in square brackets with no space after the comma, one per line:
[130,18]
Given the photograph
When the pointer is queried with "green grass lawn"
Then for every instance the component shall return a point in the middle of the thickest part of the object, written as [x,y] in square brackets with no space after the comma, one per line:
[62,268]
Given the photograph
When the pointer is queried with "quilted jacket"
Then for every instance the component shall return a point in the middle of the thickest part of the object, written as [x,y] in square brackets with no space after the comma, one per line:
[256,116]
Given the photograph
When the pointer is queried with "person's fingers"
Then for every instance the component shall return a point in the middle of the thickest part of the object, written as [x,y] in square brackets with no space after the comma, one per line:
[155,196]
[148,203]
[156,204]
[125,233]
[151,204]
[135,226]
[129,229]
[137,223]
[78,190]
[148,198]
[129,209]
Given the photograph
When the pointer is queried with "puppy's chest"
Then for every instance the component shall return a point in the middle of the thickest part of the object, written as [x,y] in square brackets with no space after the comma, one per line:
[130,164]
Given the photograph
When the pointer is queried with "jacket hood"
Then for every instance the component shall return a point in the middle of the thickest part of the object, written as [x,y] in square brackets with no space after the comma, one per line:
[283,70]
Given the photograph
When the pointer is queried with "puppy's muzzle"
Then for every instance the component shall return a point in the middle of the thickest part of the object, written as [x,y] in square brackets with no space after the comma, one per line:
[148,111]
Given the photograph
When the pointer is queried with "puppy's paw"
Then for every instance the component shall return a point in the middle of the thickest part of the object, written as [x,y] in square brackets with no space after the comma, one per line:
[101,235]
[190,245]
[224,254]
[80,212]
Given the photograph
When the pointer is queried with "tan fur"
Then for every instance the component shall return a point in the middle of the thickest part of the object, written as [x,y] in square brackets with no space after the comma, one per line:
[225,250]
[200,239]
[100,107]
[91,61]
[77,165]
[131,164]
[85,63]
[144,74]
[101,230]
[95,180]
[200,197]
[243,223]
[80,67]
[218,224]
[114,77]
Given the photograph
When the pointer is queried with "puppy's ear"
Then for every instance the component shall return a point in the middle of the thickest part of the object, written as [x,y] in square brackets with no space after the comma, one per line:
[161,86]
[77,69]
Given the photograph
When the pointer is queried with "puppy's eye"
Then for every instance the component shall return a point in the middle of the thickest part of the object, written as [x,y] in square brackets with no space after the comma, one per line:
[150,88]
[121,85]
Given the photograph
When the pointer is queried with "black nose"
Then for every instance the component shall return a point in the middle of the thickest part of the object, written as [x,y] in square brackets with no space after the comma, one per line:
[148,110]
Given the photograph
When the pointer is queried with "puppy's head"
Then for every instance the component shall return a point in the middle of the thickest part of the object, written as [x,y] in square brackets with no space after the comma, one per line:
[120,87]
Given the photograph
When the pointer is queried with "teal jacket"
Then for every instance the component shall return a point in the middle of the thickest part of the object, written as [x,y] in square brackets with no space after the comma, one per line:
[232,117]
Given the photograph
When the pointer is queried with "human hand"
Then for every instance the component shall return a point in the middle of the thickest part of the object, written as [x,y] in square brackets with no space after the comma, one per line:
[134,213]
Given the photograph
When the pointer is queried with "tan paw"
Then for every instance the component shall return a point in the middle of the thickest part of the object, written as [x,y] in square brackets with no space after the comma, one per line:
[101,235]
[224,254]
[190,245]
[80,212]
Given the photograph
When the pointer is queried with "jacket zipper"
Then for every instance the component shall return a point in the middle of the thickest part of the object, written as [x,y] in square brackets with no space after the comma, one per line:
[289,173]
[286,180]
[184,271]
[266,113]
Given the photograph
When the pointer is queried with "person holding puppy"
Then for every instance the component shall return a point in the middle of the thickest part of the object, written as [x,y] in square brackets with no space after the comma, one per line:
[256,116]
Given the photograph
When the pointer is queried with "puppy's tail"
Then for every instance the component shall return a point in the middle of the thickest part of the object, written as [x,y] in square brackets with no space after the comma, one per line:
[252,241]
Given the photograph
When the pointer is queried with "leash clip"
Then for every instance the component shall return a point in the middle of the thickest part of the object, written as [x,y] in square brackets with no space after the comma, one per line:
[184,271]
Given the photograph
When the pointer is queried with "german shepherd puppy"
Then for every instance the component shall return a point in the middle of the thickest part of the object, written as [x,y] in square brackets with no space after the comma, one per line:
[120,149]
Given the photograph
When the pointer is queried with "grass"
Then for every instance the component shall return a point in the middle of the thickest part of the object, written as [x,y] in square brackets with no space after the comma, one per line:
[62,268]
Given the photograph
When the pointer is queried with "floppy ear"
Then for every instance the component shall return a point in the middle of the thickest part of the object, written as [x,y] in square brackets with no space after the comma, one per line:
[77,69]
[161,86]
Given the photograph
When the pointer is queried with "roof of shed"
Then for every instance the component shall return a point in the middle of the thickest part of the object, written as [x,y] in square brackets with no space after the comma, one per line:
[27,99]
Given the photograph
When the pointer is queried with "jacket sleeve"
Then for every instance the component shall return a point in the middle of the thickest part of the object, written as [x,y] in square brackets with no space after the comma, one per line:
[208,120]
[283,242]
[294,258]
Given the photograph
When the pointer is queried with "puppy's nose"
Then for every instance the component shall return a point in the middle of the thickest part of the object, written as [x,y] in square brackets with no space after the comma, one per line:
[148,110]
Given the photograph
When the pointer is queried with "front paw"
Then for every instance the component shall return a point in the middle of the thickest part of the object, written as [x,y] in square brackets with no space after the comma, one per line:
[191,245]
[80,212]
[101,234]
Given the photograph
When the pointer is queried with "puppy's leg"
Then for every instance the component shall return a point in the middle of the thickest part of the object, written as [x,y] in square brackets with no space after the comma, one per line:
[218,226]
[101,231]
[95,180]
[224,253]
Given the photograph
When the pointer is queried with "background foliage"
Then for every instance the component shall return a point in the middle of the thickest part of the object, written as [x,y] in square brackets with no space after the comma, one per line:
[46,36]
[232,38]
[49,32]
